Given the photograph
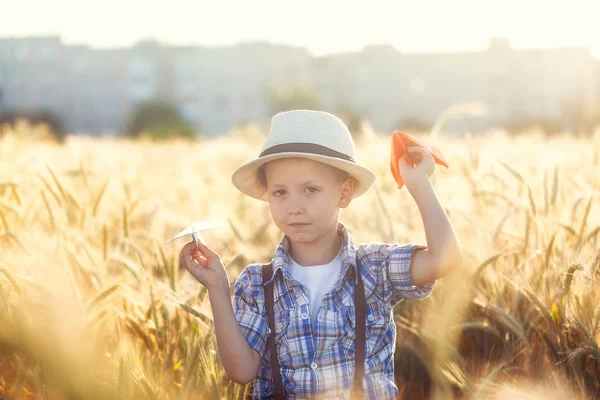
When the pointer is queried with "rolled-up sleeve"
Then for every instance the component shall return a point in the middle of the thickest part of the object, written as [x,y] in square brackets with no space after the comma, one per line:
[248,306]
[397,264]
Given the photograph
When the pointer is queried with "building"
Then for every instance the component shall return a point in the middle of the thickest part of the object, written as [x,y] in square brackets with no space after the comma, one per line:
[95,90]
[389,87]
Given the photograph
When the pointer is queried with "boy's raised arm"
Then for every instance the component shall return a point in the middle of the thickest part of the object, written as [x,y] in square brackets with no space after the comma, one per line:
[443,253]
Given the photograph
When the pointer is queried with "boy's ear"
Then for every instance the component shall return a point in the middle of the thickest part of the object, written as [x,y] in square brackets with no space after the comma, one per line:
[347,192]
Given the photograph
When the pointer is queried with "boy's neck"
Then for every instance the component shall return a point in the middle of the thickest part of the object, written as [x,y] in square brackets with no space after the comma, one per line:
[322,251]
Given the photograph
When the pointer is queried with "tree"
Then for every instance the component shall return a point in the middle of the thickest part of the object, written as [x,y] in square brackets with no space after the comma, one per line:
[40,116]
[293,98]
[158,120]
[352,119]
[414,124]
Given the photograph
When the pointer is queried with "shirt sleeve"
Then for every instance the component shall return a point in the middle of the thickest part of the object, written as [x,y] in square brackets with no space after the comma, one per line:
[397,265]
[248,308]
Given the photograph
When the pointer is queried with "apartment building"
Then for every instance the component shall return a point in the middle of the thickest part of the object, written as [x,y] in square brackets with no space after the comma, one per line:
[96,90]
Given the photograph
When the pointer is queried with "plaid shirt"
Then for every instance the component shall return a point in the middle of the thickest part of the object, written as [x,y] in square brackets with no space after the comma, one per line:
[318,361]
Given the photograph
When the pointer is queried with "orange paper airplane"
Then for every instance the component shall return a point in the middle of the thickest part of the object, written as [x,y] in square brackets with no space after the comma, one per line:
[400,141]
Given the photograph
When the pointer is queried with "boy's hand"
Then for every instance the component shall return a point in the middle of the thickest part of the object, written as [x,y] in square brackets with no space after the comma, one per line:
[205,265]
[424,165]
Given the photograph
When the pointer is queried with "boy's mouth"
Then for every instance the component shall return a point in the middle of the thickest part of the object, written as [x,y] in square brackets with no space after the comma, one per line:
[297,224]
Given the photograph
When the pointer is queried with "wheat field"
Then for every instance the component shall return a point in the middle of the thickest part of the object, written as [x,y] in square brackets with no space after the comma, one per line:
[93,304]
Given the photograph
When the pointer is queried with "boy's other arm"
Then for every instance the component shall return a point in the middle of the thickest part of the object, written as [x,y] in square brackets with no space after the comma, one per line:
[238,358]
[443,253]
[240,361]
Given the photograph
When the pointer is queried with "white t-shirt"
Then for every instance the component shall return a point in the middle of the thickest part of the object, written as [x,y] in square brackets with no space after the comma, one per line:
[317,279]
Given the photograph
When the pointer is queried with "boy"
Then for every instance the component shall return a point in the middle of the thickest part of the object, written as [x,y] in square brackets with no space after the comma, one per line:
[307,171]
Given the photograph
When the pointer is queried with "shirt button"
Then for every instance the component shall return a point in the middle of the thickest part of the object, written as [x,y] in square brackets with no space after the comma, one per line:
[268,330]
[370,318]
[313,365]
[304,315]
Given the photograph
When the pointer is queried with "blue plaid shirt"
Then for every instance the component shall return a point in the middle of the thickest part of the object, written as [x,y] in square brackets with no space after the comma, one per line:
[318,361]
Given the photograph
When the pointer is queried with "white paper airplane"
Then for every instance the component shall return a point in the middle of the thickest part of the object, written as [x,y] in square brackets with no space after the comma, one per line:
[195,229]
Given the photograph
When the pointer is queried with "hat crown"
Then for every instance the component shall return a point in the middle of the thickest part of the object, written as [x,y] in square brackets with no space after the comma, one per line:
[315,135]
[312,127]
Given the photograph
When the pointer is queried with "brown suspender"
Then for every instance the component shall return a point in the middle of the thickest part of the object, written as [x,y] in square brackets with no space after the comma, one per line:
[267,272]
[360,304]
[359,366]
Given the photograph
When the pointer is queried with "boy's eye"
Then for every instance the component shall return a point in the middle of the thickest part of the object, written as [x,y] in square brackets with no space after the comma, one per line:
[282,192]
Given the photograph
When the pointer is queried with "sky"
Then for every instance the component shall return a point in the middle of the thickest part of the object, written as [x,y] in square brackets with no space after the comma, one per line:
[321,26]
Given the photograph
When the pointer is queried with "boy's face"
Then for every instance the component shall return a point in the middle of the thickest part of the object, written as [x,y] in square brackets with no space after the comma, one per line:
[305,197]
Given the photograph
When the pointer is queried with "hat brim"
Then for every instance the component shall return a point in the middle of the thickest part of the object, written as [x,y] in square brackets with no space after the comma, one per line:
[245,177]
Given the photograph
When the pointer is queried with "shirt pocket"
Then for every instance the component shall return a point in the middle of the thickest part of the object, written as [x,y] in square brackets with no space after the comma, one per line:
[377,333]
[282,337]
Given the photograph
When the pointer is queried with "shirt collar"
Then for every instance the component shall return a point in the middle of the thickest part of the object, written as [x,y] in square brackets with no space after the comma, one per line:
[281,259]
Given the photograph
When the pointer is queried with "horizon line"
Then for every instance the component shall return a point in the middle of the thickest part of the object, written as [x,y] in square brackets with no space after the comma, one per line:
[158,41]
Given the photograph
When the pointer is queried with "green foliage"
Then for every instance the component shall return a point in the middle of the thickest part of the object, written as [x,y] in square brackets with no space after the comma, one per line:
[352,119]
[158,120]
[40,116]
[414,124]
[293,98]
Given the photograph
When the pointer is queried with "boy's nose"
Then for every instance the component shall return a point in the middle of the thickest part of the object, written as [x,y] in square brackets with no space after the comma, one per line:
[295,207]
[295,210]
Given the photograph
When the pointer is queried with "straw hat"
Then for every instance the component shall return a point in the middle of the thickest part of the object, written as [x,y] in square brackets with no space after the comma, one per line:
[316,135]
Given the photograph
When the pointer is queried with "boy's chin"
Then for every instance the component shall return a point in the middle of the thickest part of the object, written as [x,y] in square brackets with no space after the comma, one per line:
[300,237]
